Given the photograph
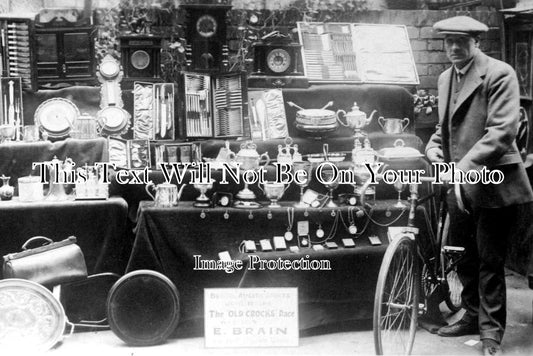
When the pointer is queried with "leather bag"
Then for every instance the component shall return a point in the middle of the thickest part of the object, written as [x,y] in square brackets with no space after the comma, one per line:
[51,264]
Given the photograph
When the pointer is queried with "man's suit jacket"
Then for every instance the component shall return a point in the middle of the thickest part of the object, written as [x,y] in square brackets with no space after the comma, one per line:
[481,130]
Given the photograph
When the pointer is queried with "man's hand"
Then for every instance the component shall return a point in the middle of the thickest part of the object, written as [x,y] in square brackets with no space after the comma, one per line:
[435,155]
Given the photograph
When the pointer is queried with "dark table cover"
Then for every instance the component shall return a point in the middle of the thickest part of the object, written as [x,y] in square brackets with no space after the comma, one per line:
[167,239]
[100,227]
[16,158]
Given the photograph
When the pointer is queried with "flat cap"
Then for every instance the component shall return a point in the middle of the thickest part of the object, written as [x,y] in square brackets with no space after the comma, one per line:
[460,25]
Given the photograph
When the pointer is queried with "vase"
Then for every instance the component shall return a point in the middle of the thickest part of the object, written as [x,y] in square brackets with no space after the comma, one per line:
[6,191]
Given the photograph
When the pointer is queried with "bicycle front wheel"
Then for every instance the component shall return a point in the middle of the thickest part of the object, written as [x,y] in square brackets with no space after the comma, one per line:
[396,299]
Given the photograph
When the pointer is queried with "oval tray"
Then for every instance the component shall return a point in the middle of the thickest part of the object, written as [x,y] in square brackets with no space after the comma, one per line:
[31,318]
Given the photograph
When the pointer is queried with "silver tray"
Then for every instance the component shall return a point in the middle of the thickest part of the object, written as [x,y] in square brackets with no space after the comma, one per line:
[31,318]
[56,117]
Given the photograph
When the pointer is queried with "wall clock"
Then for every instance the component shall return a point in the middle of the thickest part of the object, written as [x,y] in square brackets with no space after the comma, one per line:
[206,30]
[277,63]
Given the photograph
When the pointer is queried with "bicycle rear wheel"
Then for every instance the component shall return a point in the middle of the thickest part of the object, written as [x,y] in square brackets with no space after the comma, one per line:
[396,298]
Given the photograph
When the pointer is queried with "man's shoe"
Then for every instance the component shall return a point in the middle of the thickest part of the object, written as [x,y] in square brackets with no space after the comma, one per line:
[459,328]
[491,347]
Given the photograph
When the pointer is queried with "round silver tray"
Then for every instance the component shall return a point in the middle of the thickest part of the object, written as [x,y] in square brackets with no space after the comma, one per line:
[113,121]
[56,117]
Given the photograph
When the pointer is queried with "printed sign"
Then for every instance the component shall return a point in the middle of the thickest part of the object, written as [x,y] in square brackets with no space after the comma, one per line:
[251,317]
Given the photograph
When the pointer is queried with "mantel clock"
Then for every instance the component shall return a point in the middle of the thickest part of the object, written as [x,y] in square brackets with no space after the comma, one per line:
[277,63]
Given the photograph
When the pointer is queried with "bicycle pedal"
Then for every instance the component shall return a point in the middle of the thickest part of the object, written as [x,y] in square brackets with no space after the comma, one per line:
[453,250]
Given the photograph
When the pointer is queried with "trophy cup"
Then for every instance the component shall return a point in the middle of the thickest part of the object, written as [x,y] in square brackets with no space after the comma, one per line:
[202,201]
[273,191]
[249,159]
[308,168]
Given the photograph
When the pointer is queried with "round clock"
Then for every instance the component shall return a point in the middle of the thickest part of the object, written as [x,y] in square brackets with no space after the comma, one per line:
[206,26]
[278,60]
[140,59]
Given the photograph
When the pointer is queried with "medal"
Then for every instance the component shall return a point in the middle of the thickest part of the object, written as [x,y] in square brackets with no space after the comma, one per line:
[352,229]
[290,220]
[202,214]
[269,215]
[288,236]
[226,215]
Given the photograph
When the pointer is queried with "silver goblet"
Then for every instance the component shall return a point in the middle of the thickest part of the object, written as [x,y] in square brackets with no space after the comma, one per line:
[307,167]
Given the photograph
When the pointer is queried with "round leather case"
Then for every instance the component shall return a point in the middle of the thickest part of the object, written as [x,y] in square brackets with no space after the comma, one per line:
[31,318]
[143,308]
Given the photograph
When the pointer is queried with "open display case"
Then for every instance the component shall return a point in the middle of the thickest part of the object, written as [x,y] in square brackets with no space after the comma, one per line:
[18,57]
[213,106]
[358,53]
[154,114]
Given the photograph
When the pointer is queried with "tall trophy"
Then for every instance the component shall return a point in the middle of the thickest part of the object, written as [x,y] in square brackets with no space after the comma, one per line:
[249,159]
[308,168]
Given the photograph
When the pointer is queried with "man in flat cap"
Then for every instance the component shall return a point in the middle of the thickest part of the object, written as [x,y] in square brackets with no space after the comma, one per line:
[478,123]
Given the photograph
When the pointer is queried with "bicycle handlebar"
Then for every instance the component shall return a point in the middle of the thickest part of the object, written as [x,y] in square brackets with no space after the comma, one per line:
[456,189]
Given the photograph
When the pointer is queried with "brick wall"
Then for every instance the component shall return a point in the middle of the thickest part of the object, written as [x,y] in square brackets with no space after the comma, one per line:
[428,47]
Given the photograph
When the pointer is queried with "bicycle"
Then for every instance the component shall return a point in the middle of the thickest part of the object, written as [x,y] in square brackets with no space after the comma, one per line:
[411,273]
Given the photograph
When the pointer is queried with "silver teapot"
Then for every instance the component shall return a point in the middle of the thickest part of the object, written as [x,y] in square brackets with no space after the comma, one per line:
[249,158]
[355,119]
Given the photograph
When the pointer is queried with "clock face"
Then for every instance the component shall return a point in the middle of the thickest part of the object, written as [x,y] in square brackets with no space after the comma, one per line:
[278,60]
[206,26]
[140,59]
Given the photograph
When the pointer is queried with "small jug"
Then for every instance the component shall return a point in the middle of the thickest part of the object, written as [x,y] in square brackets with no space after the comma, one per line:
[166,194]
[393,126]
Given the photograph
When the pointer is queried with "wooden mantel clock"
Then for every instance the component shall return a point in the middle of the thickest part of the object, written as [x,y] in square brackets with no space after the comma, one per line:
[277,63]
[206,30]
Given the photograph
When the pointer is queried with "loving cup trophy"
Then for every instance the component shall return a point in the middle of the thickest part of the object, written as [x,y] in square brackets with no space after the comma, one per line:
[202,201]
[273,191]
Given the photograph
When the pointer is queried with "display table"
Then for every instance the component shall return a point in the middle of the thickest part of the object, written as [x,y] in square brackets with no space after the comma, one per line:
[167,239]
[99,225]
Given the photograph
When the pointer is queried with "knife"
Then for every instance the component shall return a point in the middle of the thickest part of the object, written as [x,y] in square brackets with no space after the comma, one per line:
[163,113]
[155,103]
